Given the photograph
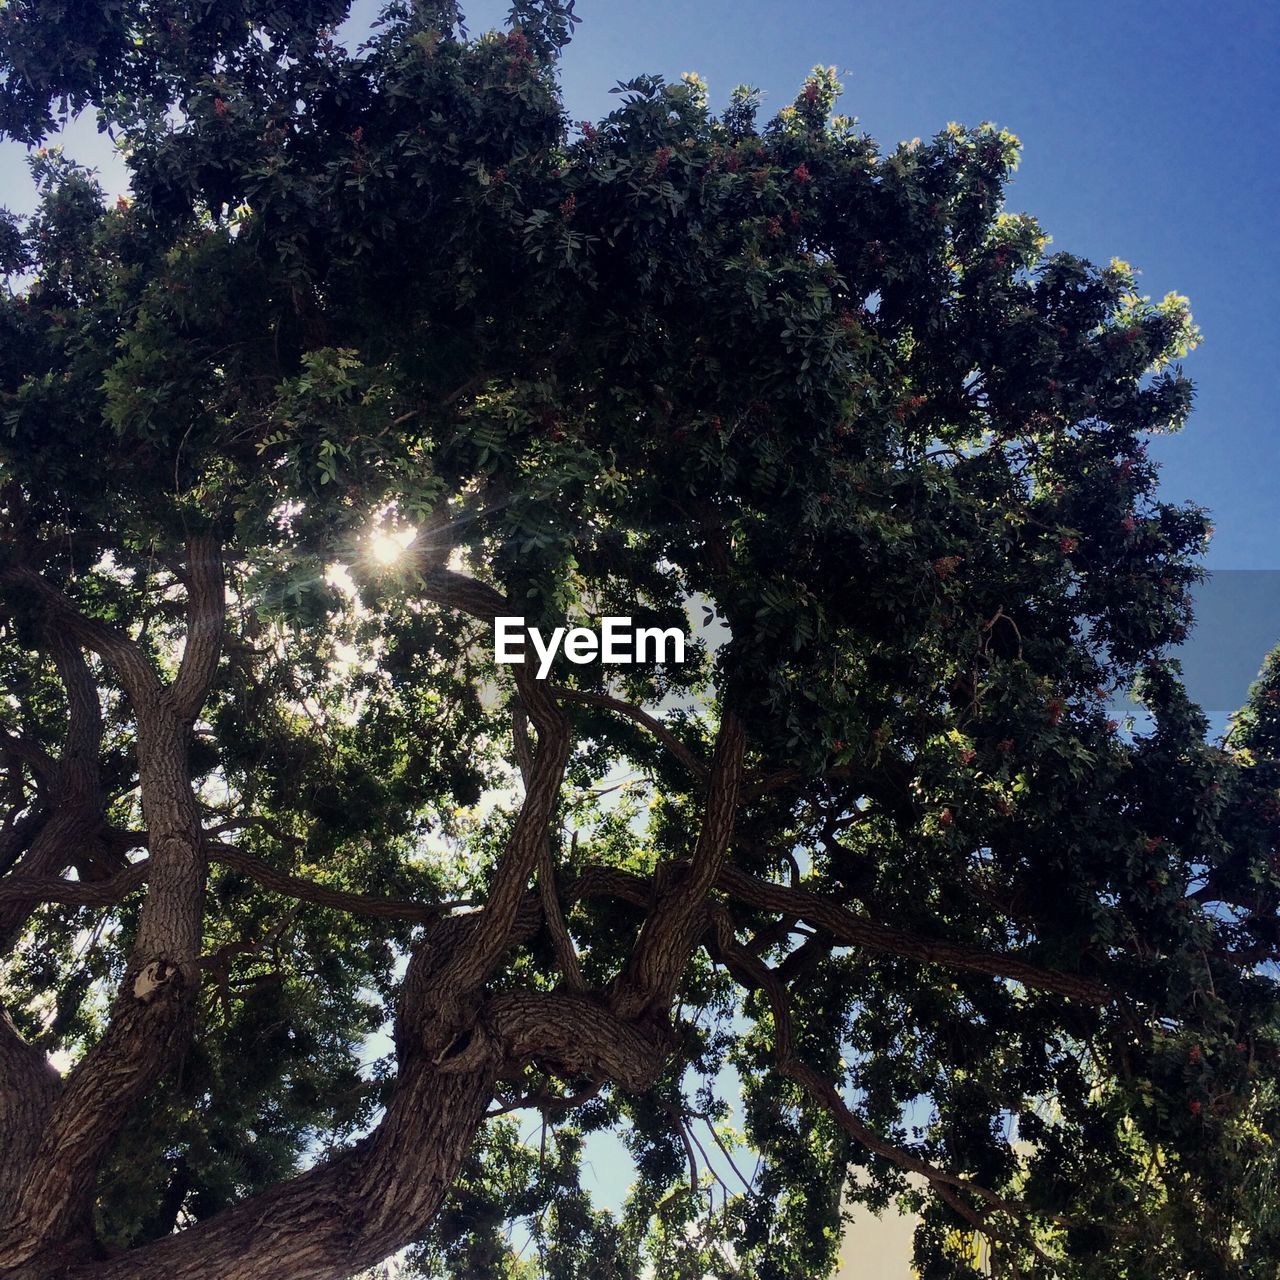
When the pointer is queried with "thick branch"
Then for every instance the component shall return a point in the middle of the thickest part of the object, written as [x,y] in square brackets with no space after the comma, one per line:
[674,923]
[28,1087]
[129,662]
[206,618]
[457,591]
[852,930]
[34,756]
[437,985]
[20,834]
[76,893]
[72,788]
[548,895]
[83,740]
[464,971]
[561,939]
[354,1210]
[572,1034]
[151,1016]
[341,1216]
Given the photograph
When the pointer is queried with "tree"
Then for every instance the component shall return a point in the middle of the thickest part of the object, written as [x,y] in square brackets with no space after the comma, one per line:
[381,348]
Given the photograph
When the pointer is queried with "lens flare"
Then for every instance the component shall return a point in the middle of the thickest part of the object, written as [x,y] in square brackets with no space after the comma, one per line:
[387,547]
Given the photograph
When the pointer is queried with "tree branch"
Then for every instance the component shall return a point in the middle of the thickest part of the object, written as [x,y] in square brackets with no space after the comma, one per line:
[655,726]
[340,1216]
[573,1033]
[136,674]
[105,893]
[206,618]
[445,981]
[849,929]
[754,973]
[34,756]
[72,789]
[28,1086]
[561,939]
[674,923]
[76,893]
[153,1010]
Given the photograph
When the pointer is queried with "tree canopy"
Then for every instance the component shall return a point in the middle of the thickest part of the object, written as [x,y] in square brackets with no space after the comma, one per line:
[312,913]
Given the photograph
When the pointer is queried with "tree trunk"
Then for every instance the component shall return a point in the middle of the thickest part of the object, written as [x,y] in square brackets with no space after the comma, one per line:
[339,1217]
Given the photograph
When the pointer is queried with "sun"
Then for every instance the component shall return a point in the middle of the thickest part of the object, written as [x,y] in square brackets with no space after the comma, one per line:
[387,547]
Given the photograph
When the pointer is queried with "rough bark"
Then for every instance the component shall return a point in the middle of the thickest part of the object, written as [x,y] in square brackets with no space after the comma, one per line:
[152,1013]
[340,1216]
[675,920]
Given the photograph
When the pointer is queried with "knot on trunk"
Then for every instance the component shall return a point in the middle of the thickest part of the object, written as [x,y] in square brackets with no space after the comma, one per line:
[472,1048]
[154,978]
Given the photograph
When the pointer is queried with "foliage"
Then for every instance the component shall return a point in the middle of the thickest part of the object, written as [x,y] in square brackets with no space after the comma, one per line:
[838,394]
